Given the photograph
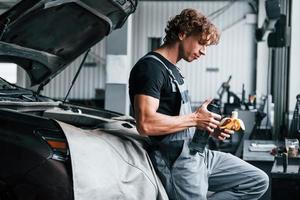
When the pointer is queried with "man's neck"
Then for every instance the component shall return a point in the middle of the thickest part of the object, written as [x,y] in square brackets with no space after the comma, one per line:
[170,52]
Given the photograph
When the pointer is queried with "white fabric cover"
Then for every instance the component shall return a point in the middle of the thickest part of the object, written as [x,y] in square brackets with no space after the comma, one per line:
[107,166]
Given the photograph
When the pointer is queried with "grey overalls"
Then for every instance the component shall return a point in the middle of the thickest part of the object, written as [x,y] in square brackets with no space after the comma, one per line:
[187,176]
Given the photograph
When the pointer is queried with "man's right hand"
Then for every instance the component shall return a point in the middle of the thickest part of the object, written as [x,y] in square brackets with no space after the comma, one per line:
[205,119]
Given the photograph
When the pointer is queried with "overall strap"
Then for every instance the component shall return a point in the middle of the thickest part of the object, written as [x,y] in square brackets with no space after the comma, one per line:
[159,60]
[181,88]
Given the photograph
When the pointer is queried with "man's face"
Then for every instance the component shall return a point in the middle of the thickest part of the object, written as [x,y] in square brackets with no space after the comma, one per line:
[190,47]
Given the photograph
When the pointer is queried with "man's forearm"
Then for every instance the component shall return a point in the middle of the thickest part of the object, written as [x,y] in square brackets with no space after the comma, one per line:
[161,124]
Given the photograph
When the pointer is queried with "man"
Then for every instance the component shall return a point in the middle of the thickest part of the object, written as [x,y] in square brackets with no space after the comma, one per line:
[163,112]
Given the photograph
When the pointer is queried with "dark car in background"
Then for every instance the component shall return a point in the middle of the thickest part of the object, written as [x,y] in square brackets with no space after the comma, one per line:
[36,157]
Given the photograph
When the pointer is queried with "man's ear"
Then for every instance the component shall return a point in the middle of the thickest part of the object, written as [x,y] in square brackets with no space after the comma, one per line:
[181,36]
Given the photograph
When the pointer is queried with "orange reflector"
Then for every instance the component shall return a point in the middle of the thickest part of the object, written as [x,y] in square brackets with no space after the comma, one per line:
[57,144]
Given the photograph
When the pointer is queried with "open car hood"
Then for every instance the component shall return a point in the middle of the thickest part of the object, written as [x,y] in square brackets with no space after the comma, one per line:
[44,36]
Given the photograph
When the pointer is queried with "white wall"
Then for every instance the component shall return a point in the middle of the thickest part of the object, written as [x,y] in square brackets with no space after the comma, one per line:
[8,71]
[294,80]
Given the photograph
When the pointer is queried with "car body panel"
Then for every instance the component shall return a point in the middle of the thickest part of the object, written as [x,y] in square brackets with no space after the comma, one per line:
[27,170]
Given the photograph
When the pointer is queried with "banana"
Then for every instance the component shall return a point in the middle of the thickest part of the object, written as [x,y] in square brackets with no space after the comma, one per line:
[232,123]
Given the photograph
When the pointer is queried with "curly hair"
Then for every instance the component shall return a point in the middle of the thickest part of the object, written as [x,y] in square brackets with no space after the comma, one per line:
[190,22]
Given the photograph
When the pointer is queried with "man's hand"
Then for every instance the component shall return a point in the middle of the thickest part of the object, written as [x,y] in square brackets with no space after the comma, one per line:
[222,134]
[205,119]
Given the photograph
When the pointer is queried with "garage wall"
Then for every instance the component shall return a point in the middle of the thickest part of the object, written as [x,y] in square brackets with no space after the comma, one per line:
[234,55]
[89,79]
[294,82]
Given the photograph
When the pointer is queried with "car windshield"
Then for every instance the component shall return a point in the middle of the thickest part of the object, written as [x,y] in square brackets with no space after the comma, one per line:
[5,85]
[10,92]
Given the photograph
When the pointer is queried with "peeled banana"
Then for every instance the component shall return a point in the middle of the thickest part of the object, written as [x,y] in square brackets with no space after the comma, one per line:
[232,123]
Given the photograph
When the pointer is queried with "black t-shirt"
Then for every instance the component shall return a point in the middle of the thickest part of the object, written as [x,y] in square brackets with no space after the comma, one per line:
[150,77]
